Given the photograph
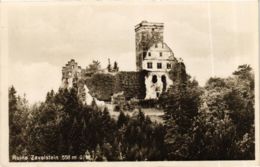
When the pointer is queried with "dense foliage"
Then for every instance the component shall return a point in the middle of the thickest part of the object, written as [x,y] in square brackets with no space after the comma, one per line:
[211,123]
[93,67]
[101,86]
[215,122]
[62,125]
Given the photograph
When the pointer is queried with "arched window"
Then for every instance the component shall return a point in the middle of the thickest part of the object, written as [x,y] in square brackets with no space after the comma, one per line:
[154,79]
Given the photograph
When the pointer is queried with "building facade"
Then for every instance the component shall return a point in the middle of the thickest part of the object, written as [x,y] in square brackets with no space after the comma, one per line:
[154,56]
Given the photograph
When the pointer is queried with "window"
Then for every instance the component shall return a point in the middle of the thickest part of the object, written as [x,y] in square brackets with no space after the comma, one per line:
[168,66]
[156,46]
[149,65]
[160,54]
[154,79]
[159,65]
[149,53]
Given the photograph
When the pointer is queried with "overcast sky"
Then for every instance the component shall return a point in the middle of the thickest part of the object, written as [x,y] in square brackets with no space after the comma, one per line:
[211,38]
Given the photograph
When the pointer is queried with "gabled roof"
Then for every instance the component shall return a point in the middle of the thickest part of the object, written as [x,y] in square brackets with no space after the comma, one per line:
[166,47]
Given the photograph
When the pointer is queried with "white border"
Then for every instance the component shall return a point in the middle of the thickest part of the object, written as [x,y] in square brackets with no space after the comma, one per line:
[4,158]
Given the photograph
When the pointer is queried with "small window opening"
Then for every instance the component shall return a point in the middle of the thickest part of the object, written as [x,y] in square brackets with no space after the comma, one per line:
[149,65]
[159,65]
[154,79]
[169,66]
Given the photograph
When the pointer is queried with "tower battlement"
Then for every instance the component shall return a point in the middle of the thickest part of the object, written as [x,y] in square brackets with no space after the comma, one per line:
[146,34]
[148,25]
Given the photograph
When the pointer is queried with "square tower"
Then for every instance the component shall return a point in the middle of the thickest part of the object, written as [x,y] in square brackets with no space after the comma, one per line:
[146,34]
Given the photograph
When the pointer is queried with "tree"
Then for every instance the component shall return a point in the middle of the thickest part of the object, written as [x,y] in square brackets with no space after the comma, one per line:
[244,71]
[241,98]
[240,103]
[115,68]
[122,119]
[109,66]
[181,104]
[138,139]
[18,117]
[108,126]
[213,136]
[224,128]
[180,112]
[43,128]
[94,67]
[12,101]
[108,151]
[13,128]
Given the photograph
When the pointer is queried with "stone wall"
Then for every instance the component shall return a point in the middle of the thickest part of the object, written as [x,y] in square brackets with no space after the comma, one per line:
[131,83]
[70,73]
[139,85]
[101,86]
[156,83]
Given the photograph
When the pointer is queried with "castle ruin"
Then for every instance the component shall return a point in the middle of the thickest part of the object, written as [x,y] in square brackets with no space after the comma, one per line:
[154,60]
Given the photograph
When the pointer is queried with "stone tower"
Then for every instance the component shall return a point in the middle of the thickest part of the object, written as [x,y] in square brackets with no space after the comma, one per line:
[146,34]
[154,56]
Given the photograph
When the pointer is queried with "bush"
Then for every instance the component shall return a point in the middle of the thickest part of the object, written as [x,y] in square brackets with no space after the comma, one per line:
[148,103]
[101,86]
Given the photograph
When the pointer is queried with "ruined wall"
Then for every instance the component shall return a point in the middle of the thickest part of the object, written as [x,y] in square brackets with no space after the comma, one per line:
[71,72]
[81,89]
[131,83]
[101,86]
[156,83]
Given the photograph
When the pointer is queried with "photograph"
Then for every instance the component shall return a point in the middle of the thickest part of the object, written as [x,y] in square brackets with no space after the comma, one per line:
[114,81]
